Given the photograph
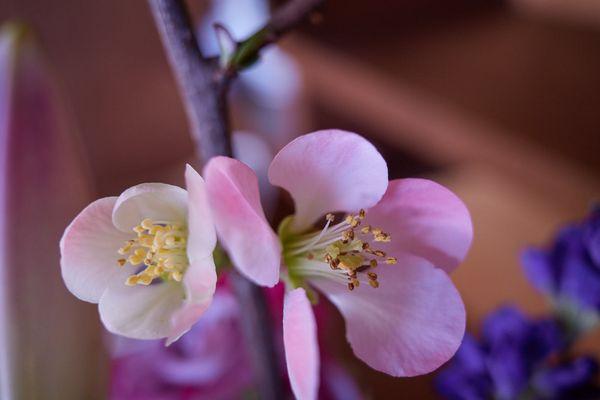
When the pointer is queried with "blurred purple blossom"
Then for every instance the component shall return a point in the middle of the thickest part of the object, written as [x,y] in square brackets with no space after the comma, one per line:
[513,360]
[569,270]
[210,361]
[43,181]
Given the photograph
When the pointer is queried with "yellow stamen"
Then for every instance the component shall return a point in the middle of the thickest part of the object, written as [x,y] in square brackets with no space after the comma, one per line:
[346,248]
[160,248]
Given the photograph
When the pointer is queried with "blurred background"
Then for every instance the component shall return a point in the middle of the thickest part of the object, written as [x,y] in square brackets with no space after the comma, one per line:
[498,100]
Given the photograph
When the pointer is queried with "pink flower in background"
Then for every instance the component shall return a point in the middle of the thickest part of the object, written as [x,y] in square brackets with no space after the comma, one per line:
[145,257]
[47,337]
[384,265]
[212,360]
[209,362]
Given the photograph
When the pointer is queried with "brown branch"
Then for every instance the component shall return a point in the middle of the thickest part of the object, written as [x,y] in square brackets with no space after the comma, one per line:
[204,87]
[204,91]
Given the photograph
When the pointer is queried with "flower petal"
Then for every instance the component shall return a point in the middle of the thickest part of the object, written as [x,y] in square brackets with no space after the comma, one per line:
[140,312]
[424,219]
[329,171]
[157,201]
[301,346]
[88,251]
[413,323]
[542,273]
[240,221]
[200,278]
[199,281]
[202,237]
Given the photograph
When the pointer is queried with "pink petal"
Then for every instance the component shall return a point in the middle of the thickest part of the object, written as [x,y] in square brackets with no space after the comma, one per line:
[328,171]
[424,219]
[301,346]
[240,221]
[141,312]
[200,278]
[89,251]
[183,320]
[202,237]
[412,324]
[157,201]
[200,281]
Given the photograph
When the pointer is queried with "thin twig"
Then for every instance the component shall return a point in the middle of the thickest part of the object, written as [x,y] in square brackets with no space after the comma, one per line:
[204,91]
[283,19]
[204,87]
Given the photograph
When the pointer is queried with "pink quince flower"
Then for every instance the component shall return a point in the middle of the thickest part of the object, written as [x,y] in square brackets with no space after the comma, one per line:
[40,162]
[145,257]
[385,265]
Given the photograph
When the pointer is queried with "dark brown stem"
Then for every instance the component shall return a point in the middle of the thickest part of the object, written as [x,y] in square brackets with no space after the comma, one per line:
[258,326]
[201,84]
[204,87]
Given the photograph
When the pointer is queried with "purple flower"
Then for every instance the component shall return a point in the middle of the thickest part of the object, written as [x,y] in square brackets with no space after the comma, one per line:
[591,236]
[570,380]
[569,269]
[513,359]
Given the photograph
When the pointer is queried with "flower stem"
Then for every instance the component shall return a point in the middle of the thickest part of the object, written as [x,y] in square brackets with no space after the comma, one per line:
[204,87]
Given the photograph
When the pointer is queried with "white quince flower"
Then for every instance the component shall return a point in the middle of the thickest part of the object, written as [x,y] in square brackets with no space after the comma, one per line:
[145,257]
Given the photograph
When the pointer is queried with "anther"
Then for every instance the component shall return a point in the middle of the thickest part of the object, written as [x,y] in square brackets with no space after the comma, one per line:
[348,235]
[330,217]
[161,248]
[145,279]
[132,280]
[374,284]
[372,275]
[391,260]
[177,276]
[382,237]
[147,224]
[350,286]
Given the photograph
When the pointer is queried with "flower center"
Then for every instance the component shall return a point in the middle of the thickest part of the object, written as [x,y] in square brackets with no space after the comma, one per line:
[347,247]
[159,249]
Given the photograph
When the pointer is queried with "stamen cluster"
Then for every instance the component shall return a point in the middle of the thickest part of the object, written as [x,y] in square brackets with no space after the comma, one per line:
[160,248]
[346,248]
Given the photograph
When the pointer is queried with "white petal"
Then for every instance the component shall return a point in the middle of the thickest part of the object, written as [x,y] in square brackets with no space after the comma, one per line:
[141,312]
[199,281]
[202,236]
[157,201]
[89,251]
